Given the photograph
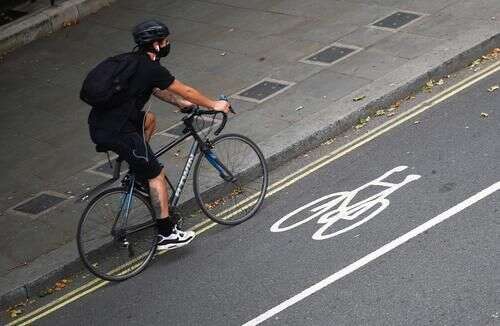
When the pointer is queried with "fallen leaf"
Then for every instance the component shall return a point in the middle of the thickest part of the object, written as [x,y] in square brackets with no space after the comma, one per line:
[359,98]
[15,312]
[329,141]
[475,63]
[60,285]
[364,121]
[46,292]
[69,23]
[484,115]
[379,113]
[391,114]
[493,88]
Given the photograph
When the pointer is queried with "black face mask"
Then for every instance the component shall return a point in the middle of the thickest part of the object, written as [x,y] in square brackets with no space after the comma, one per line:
[164,51]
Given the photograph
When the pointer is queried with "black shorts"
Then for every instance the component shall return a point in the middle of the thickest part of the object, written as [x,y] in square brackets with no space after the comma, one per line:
[138,154]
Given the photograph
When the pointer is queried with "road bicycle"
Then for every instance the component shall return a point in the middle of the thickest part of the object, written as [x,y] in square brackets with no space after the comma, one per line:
[117,232]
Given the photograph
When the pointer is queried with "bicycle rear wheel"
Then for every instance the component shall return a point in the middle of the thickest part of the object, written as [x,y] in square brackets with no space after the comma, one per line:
[233,201]
[114,246]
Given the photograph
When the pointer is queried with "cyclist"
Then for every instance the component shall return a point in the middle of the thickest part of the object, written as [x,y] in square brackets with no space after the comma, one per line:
[127,129]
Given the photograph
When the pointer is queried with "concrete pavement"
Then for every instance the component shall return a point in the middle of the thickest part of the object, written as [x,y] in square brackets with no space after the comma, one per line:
[220,46]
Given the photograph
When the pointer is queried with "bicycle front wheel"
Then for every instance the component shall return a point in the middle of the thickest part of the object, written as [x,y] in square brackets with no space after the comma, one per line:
[230,179]
[114,242]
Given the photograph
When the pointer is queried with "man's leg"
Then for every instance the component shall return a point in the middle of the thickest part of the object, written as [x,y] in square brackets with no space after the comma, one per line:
[159,195]
[149,125]
[170,236]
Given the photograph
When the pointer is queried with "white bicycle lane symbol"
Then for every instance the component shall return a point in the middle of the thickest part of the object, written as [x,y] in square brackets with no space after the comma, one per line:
[333,207]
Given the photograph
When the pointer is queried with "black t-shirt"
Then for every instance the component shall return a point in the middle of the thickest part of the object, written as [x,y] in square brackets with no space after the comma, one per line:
[150,75]
[106,124]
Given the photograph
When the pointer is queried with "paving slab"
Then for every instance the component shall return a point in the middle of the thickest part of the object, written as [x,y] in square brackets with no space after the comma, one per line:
[321,30]
[484,10]
[365,36]
[407,45]
[425,6]
[369,64]
[444,26]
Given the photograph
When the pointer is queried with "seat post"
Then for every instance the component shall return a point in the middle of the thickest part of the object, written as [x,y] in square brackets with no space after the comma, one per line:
[109,160]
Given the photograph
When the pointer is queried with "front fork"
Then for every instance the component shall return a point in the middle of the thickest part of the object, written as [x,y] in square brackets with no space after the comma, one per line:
[224,173]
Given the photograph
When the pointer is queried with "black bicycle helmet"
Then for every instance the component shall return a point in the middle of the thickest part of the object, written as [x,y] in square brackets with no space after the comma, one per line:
[149,31]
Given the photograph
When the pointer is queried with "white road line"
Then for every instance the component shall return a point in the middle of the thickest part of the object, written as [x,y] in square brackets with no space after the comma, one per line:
[374,255]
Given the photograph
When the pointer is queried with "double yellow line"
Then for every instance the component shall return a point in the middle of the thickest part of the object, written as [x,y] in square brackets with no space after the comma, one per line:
[281,184]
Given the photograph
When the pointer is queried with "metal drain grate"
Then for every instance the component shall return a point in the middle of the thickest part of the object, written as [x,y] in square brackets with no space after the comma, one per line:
[39,204]
[397,20]
[105,170]
[9,15]
[331,54]
[263,90]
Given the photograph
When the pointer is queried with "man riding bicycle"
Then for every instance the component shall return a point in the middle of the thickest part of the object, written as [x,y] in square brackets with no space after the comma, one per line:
[127,129]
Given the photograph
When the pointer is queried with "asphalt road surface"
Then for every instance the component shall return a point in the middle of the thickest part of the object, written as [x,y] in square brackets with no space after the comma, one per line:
[340,259]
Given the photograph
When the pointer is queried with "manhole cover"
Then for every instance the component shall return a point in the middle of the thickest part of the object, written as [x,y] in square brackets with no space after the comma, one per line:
[331,54]
[263,90]
[397,20]
[9,15]
[104,169]
[39,204]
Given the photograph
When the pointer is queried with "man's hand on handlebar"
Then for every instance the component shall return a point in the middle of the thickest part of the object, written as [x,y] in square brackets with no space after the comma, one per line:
[222,106]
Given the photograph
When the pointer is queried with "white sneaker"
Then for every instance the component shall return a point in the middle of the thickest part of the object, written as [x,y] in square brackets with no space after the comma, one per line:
[175,240]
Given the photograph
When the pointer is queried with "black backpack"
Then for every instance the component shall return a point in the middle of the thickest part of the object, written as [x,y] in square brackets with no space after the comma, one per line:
[106,85]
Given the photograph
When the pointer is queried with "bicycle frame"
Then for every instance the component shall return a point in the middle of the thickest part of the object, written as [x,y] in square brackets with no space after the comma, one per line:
[198,145]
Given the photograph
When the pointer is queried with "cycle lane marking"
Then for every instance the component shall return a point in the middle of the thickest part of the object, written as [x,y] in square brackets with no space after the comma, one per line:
[374,254]
[340,207]
[284,182]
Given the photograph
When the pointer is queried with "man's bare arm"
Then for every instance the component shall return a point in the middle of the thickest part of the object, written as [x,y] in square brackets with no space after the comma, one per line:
[191,96]
[169,97]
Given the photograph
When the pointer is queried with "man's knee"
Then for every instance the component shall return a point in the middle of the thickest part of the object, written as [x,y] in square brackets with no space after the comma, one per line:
[160,178]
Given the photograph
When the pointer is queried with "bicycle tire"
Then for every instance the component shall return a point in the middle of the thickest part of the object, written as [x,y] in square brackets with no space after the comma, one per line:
[215,195]
[100,255]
